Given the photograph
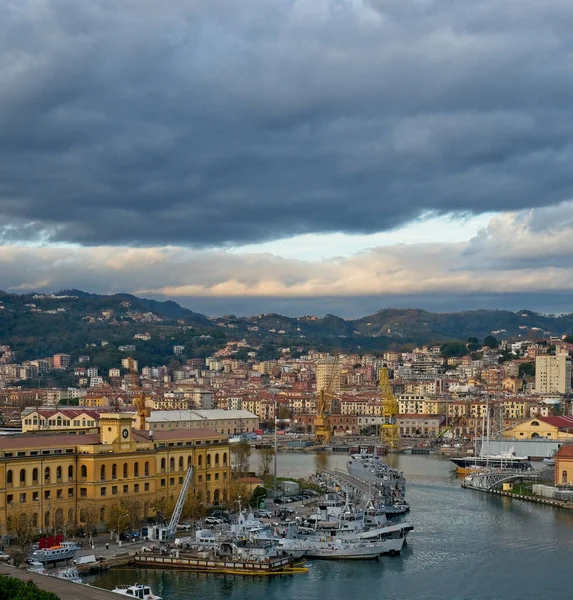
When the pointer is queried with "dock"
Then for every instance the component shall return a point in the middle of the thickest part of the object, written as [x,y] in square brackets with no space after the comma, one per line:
[65,590]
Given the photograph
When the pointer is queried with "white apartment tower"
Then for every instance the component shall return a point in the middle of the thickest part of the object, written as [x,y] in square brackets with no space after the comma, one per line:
[552,374]
[327,375]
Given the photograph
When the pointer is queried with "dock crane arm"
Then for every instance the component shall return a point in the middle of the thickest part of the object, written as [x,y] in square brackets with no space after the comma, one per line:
[176,516]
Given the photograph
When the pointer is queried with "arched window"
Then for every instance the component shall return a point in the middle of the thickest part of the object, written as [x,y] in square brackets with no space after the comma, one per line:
[225,459]
[217,459]
[200,461]
[564,477]
[208,460]
[163,463]
[181,463]
[58,472]
[34,475]
[136,469]
[70,472]
[114,471]
[125,470]
[172,464]
[534,423]
[47,474]
[146,469]
[84,471]
[188,461]
[22,475]
[102,473]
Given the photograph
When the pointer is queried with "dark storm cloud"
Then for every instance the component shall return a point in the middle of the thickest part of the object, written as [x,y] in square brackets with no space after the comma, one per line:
[213,122]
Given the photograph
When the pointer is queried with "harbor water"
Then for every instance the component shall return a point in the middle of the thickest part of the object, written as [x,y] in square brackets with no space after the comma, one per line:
[466,545]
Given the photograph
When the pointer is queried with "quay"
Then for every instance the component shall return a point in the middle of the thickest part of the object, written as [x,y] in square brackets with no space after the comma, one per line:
[534,499]
[65,590]
[277,566]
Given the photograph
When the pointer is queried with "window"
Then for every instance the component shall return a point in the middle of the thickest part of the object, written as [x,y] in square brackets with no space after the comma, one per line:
[59,473]
[200,461]
[102,473]
[47,495]
[125,470]
[136,469]
[146,469]
[163,463]
[208,461]
[181,463]
[135,488]
[114,471]
[70,492]
[84,471]
[22,498]
[35,496]
[180,480]
[9,478]
[199,478]
[60,494]
[10,498]
[103,491]
[23,476]
[146,487]
[216,476]
[171,481]
[83,494]
[217,459]
[172,464]
[126,489]
[70,472]
[564,477]
[208,476]
[163,483]
[114,490]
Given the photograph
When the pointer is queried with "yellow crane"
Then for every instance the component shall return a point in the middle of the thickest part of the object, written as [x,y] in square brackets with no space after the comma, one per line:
[322,425]
[389,431]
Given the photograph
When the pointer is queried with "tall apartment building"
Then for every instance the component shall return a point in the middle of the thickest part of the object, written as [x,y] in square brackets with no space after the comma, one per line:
[327,375]
[552,374]
[61,361]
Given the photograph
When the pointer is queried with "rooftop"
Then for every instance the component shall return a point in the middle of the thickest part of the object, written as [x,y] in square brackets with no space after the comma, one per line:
[158,416]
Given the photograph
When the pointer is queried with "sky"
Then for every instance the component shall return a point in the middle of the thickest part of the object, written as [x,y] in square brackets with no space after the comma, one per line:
[294,156]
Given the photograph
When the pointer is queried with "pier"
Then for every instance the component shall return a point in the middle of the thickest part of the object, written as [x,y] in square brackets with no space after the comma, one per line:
[65,590]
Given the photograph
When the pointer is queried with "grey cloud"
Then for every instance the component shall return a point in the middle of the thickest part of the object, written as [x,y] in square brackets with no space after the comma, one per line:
[207,123]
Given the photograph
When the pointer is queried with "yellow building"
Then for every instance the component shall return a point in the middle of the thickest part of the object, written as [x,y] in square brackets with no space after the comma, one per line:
[56,480]
[65,420]
[552,428]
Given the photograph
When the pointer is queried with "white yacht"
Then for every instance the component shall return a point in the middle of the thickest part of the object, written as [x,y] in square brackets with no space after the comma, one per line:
[70,574]
[504,460]
[137,590]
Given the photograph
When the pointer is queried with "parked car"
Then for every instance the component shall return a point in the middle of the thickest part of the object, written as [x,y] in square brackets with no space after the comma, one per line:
[213,521]
[263,514]
[4,556]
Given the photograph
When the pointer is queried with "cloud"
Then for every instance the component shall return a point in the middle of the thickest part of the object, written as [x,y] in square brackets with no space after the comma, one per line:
[510,257]
[204,123]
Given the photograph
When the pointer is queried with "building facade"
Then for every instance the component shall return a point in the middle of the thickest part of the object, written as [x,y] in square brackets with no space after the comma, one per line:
[56,480]
[553,374]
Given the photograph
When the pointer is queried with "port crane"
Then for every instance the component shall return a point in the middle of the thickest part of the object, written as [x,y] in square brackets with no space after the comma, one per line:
[389,431]
[322,424]
[166,533]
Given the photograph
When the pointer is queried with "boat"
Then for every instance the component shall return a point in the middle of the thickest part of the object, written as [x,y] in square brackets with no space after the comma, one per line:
[550,460]
[388,483]
[63,551]
[336,549]
[503,460]
[137,590]
[69,574]
[36,567]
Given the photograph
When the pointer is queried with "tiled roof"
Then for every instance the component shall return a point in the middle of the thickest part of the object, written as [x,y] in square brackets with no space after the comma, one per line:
[18,442]
[564,422]
[566,451]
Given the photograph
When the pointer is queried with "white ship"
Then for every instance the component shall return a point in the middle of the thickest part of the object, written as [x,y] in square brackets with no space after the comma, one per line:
[70,574]
[336,549]
[141,592]
[503,460]
[63,551]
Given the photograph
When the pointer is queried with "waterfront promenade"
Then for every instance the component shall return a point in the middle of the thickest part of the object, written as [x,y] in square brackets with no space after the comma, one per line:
[65,590]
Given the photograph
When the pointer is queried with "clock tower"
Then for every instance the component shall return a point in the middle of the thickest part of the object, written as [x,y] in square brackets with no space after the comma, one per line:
[115,429]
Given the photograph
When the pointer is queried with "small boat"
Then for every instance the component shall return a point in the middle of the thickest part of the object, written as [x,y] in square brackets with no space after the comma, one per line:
[70,574]
[36,567]
[63,551]
[342,550]
[137,590]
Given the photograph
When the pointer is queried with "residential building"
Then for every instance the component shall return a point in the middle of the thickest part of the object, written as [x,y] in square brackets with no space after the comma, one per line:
[553,374]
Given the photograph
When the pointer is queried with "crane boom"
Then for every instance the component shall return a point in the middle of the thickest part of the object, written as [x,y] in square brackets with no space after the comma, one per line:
[172,527]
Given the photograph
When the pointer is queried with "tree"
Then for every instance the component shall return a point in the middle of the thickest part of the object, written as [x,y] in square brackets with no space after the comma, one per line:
[267,455]
[194,508]
[284,413]
[490,341]
[90,516]
[241,452]
[473,344]
[527,369]
[119,518]
[21,527]
[451,349]
[237,492]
